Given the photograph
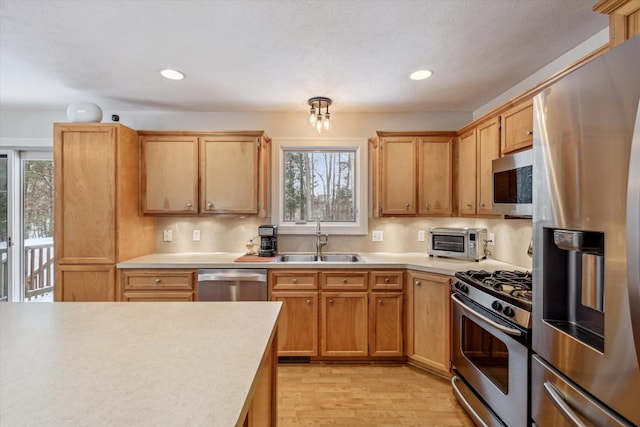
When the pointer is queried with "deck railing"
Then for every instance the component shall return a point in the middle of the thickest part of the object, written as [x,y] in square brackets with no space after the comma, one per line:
[38,265]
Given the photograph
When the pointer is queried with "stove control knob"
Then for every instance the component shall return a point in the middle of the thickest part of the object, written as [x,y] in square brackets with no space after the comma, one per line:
[496,305]
[508,311]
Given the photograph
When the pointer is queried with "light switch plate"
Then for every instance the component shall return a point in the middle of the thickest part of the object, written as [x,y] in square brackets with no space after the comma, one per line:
[167,235]
[420,235]
[377,236]
[196,235]
[491,239]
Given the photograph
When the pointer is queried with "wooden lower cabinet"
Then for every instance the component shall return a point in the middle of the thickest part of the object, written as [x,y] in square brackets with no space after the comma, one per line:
[385,329]
[89,283]
[264,403]
[344,324]
[298,325]
[429,321]
[157,285]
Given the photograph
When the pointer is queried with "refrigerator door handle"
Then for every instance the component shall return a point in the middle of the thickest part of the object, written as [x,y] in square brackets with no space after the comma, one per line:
[633,233]
[558,399]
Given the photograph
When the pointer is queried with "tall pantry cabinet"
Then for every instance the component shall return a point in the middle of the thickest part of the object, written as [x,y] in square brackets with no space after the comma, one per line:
[96,209]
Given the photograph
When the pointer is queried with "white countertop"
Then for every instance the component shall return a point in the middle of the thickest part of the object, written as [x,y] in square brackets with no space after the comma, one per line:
[117,364]
[416,261]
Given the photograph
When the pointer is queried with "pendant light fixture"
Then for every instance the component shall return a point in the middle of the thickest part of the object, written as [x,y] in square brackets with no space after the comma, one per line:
[320,122]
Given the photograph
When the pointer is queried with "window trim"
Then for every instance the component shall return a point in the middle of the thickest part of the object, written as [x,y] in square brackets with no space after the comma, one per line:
[359,145]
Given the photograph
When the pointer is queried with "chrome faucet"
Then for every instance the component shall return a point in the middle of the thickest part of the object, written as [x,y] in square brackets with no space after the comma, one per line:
[321,239]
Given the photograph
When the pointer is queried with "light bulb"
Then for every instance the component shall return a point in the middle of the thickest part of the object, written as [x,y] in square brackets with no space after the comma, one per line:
[312,116]
[326,122]
[319,126]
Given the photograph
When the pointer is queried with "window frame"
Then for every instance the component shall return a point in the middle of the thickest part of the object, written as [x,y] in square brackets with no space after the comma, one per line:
[359,146]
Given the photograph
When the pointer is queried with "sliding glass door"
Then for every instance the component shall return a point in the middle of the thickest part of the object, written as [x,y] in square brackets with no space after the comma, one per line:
[26,226]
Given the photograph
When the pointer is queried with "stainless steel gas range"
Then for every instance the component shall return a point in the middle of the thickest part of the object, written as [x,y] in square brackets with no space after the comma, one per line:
[491,345]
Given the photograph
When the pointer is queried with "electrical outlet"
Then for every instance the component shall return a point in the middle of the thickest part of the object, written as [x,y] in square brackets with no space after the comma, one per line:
[167,235]
[377,236]
[420,235]
[196,235]
[491,239]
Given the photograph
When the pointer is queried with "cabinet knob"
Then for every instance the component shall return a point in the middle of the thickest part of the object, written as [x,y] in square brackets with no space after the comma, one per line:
[209,205]
[426,205]
[529,132]
[344,280]
[380,301]
[189,204]
[294,280]
[386,280]
[418,283]
[330,301]
[157,280]
[407,205]
[481,204]
[469,205]
[308,301]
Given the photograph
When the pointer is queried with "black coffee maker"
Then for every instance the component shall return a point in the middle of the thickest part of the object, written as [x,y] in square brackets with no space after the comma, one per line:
[268,240]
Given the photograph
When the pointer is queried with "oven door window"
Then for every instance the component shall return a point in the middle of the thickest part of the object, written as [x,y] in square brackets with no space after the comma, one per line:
[448,243]
[487,353]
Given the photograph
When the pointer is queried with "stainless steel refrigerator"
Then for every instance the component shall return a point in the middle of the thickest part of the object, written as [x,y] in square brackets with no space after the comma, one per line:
[586,284]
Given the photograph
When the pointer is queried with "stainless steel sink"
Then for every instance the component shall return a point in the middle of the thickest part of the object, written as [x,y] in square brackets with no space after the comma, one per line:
[296,258]
[341,258]
[307,258]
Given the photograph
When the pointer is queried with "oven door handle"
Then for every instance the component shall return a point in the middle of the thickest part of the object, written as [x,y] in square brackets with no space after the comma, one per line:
[473,313]
[468,407]
[558,399]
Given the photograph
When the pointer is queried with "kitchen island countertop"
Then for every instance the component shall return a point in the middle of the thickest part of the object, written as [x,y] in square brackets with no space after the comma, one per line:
[372,260]
[131,364]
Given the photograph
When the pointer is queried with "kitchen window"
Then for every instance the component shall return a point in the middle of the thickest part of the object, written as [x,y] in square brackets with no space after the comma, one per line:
[320,180]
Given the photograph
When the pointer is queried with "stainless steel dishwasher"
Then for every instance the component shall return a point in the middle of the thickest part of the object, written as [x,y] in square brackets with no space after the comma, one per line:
[246,284]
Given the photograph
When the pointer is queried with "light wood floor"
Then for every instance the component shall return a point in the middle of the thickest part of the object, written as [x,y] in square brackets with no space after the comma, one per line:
[364,395]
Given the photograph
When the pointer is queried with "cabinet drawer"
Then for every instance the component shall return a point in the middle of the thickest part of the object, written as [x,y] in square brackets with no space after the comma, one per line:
[293,279]
[344,280]
[137,296]
[387,280]
[158,280]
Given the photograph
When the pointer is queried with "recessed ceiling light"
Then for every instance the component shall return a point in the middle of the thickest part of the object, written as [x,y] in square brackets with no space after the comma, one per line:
[421,74]
[170,74]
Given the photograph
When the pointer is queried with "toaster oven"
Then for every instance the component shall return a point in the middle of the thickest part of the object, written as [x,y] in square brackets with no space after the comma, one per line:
[462,243]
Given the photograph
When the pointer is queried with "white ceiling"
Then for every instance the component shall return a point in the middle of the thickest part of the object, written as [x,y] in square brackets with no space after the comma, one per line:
[272,55]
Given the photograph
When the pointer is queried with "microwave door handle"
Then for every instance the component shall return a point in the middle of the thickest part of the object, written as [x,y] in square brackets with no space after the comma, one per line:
[633,231]
[472,313]
[558,399]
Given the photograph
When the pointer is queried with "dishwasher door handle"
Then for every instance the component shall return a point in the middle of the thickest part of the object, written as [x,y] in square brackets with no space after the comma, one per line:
[231,277]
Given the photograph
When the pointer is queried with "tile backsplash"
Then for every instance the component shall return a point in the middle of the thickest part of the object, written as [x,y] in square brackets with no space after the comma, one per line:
[229,234]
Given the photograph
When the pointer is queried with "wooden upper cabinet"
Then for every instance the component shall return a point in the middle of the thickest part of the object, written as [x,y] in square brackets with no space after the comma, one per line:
[85,202]
[412,173]
[467,174]
[435,176]
[517,127]
[624,19]
[229,175]
[169,175]
[488,149]
[398,175]
[202,172]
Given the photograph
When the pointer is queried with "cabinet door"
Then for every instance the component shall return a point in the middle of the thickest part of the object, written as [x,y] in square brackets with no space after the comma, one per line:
[85,201]
[430,323]
[398,176]
[517,127]
[467,174]
[385,319]
[435,172]
[229,170]
[488,150]
[85,283]
[298,324]
[344,328]
[169,175]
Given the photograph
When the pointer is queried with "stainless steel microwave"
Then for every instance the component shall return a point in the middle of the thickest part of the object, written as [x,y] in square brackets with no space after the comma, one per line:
[463,243]
[513,184]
